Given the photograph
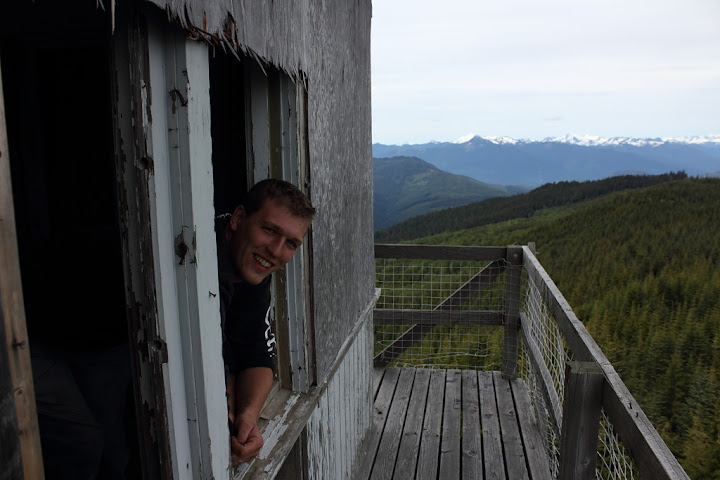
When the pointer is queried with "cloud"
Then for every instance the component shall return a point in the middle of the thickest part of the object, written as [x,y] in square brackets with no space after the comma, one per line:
[520,59]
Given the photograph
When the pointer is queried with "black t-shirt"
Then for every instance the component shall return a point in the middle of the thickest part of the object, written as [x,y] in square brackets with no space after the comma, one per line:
[248,340]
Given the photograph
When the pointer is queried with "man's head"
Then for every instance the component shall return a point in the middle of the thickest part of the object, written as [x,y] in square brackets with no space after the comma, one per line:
[285,193]
[266,230]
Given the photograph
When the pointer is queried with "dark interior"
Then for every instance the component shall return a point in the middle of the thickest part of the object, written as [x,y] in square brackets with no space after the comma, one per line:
[227,102]
[57,90]
[60,138]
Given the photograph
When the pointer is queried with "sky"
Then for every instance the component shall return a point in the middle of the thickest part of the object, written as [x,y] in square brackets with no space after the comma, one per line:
[530,70]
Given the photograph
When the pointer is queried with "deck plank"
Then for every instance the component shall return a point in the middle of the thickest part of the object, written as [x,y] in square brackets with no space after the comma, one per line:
[512,442]
[430,440]
[377,378]
[437,424]
[381,407]
[450,441]
[388,448]
[410,441]
[492,445]
[471,459]
[535,450]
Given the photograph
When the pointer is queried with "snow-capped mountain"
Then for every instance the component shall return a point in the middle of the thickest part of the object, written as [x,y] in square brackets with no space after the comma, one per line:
[509,161]
[597,141]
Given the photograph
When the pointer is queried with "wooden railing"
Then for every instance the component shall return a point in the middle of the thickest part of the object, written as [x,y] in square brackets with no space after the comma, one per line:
[584,403]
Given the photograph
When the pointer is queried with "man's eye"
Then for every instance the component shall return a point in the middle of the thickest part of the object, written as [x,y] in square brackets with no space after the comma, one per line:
[292,245]
[268,229]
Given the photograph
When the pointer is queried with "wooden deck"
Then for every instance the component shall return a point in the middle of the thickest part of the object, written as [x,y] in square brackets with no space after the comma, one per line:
[448,424]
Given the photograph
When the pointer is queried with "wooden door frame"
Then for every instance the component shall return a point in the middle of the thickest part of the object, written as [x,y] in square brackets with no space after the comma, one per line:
[164,171]
[13,323]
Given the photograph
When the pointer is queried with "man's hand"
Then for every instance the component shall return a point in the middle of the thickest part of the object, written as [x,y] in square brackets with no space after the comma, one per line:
[247,442]
[246,392]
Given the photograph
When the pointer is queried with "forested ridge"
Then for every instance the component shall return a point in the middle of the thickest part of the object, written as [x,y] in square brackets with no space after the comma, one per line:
[405,187]
[499,209]
[641,269]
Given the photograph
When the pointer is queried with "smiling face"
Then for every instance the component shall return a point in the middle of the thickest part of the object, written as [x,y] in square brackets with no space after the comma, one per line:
[264,241]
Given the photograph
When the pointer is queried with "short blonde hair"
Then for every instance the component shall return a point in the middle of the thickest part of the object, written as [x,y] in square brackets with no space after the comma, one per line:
[282,192]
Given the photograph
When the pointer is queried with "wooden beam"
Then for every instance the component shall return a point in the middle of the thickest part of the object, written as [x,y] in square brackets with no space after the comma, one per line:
[11,451]
[513,279]
[383,316]
[134,166]
[292,287]
[434,252]
[581,416]
[16,342]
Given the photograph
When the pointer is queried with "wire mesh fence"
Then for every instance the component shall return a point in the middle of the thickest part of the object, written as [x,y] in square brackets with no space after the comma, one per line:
[447,314]
[614,462]
[434,314]
[541,331]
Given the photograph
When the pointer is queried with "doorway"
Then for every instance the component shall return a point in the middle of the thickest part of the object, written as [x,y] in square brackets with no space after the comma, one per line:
[55,66]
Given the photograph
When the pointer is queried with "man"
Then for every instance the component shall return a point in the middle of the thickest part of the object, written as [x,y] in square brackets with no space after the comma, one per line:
[260,237]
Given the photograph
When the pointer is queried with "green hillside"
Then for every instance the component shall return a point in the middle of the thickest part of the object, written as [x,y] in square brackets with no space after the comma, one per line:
[406,187]
[525,205]
[641,269]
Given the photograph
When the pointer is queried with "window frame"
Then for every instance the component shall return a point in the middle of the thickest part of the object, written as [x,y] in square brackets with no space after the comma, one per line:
[276,124]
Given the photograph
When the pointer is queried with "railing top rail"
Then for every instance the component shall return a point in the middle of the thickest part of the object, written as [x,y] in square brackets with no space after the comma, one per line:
[649,451]
[579,339]
[439,252]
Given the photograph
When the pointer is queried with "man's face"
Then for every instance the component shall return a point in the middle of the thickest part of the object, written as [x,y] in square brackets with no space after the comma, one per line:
[263,242]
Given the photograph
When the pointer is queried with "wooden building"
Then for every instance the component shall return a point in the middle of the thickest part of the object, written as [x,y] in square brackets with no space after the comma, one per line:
[125,127]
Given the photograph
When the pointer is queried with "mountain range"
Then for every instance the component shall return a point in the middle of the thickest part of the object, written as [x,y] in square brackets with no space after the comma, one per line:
[508,161]
[405,187]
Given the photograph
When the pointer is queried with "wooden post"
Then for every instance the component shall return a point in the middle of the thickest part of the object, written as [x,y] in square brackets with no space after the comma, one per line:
[16,342]
[513,277]
[584,383]
[10,453]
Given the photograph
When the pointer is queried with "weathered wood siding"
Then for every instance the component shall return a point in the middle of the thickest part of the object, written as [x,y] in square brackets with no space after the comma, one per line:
[326,45]
[338,424]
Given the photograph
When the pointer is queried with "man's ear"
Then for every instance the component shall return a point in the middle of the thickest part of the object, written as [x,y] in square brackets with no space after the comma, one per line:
[238,216]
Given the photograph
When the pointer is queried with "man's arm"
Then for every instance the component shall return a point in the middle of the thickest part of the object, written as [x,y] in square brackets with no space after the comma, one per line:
[252,387]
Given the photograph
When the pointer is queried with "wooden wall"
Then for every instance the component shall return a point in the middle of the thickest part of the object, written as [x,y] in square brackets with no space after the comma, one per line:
[326,45]
[340,420]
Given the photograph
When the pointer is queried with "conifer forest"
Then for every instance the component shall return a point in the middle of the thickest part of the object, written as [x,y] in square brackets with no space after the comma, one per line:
[638,259]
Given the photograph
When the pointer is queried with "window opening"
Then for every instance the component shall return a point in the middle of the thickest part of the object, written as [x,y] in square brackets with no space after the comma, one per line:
[254,123]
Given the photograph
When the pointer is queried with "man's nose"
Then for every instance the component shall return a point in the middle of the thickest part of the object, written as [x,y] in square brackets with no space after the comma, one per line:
[275,247]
